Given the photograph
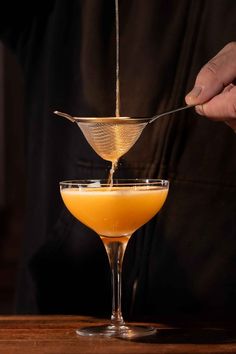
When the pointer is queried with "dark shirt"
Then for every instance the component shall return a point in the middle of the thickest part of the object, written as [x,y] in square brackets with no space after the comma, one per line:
[184,260]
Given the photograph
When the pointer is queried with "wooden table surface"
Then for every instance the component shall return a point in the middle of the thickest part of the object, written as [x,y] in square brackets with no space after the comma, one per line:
[56,335]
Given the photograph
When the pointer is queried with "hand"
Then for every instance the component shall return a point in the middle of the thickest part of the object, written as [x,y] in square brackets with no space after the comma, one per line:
[214,92]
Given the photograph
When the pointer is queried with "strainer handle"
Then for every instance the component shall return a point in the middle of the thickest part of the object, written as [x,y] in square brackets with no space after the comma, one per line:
[169,112]
[65,115]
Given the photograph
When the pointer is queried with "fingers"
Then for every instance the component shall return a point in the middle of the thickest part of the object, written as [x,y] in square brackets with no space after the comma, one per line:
[217,74]
[214,93]
[221,107]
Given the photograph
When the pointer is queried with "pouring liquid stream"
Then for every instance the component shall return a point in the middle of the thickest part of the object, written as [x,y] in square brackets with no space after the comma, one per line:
[117,111]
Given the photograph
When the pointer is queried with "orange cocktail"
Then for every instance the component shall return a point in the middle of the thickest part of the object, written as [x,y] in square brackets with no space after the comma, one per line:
[114,213]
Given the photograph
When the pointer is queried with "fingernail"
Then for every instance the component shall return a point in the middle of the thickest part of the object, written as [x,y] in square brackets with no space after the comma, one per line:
[192,95]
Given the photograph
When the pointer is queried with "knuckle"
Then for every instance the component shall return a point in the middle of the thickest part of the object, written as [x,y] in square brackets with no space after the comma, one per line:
[209,74]
[211,67]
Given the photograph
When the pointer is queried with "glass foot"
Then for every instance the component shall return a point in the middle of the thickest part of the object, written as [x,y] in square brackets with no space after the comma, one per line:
[124,331]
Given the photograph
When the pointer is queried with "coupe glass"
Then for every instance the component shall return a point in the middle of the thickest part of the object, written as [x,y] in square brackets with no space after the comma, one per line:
[114,213]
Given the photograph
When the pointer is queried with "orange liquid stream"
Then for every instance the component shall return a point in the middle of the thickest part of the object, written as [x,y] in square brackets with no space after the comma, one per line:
[114,212]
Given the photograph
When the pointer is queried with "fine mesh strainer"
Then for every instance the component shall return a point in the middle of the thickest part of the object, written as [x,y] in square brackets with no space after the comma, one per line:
[112,137]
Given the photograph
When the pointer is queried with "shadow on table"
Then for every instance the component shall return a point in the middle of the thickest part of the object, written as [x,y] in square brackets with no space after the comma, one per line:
[190,336]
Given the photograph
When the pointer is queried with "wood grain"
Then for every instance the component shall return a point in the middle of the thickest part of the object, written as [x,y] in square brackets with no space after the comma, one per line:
[56,335]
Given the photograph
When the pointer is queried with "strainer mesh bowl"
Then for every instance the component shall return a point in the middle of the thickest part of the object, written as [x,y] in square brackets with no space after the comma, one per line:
[111,140]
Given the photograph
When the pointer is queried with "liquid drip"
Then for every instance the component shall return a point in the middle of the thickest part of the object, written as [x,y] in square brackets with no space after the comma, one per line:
[111,173]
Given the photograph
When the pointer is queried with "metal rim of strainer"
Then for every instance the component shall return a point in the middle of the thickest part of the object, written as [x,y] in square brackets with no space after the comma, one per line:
[113,120]
[108,120]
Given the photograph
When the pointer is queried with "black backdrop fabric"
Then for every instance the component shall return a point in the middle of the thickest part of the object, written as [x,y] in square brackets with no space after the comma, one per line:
[184,260]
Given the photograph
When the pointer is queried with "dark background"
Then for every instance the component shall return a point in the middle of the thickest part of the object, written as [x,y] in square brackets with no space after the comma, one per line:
[12,177]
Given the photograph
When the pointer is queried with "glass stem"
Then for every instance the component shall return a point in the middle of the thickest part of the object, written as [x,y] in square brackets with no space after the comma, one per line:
[115,250]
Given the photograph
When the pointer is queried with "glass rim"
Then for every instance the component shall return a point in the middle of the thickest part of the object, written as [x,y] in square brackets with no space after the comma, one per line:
[116,181]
